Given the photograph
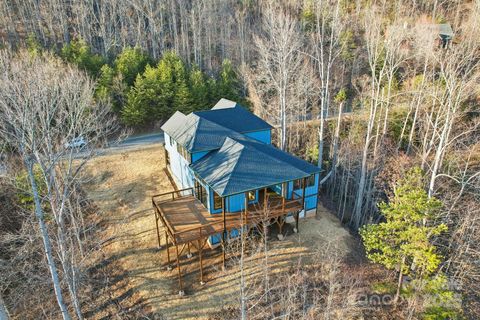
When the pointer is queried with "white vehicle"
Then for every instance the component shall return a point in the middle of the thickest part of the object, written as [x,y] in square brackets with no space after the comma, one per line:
[76,143]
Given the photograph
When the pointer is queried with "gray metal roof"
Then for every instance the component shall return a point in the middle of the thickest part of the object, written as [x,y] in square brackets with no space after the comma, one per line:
[196,133]
[233,116]
[224,104]
[243,164]
[206,130]
[175,124]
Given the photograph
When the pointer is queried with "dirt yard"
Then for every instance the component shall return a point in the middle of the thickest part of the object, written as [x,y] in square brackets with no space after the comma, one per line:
[121,186]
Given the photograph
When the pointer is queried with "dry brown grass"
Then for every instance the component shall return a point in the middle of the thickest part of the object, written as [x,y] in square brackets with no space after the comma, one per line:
[121,186]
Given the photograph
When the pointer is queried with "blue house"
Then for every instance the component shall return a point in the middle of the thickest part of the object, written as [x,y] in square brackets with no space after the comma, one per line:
[229,175]
[226,151]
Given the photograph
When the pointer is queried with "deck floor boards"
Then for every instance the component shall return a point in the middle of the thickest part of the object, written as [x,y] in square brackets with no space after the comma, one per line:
[188,220]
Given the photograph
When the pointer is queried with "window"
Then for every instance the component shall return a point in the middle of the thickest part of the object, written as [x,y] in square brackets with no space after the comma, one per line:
[252,195]
[311,181]
[184,153]
[167,157]
[170,141]
[201,193]
[297,184]
[217,201]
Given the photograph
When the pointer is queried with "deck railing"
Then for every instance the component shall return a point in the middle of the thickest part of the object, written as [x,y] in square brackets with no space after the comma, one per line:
[172,195]
[277,205]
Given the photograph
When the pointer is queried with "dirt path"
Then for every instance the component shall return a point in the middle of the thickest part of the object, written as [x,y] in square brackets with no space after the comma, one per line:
[121,185]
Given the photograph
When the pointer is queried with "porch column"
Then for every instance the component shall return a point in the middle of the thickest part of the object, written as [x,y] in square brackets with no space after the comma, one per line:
[304,182]
[265,200]
[224,230]
[303,192]
[246,209]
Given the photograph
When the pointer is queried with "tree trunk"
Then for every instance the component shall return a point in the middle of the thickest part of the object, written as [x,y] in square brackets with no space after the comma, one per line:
[399,283]
[46,242]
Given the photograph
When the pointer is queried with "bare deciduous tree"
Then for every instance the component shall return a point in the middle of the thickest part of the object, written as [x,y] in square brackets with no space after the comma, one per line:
[279,59]
[44,106]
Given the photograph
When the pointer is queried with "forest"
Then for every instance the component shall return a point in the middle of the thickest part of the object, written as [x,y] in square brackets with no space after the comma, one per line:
[383,96]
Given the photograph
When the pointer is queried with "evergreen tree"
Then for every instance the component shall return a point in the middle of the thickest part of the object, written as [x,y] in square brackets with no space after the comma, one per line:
[131,62]
[167,89]
[183,98]
[228,84]
[403,241]
[200,89]
[154,94]
[110,86]
[105,82]
[171,86]
[33,45]
[143,98]
[80,54]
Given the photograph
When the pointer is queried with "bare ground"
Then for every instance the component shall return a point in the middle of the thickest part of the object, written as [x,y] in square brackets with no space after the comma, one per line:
[121,186]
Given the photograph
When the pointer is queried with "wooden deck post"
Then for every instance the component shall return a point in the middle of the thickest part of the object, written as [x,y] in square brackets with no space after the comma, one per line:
[224,232]
[180,290]
[200,251]
[167,247]
[280,225]
[303,204]
[303,192]
[296,221]
[158,230]
[246,210]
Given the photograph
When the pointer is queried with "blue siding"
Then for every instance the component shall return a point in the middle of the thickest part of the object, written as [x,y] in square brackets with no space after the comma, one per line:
[311,193]
[262,136]
[215,239]
[198,155]
[234,203]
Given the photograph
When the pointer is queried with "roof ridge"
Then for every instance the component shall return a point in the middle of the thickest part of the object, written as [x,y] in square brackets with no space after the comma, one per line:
[195,137]
[236,162]
[186,128]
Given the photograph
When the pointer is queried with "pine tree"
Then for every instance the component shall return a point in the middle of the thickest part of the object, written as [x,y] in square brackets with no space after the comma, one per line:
[228,84]
[131,62]
[167,89]
[105,82]
[110,86]
[153,95]
[183,99]
[403,241]
[142,98]
[200,90]
[80,54]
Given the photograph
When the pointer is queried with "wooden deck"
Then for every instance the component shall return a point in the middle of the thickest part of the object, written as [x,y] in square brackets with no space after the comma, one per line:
[188,223]
[187,220]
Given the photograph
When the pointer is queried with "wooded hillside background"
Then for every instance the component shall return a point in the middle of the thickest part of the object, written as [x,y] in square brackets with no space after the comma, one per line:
[365,89]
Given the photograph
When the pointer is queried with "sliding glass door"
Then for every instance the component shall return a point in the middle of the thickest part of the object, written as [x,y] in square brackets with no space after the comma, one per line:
[201,193]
